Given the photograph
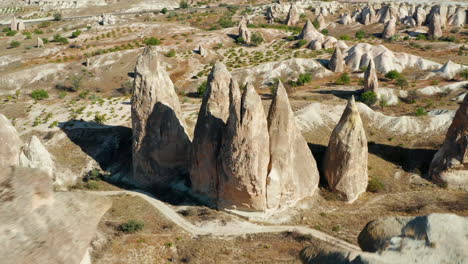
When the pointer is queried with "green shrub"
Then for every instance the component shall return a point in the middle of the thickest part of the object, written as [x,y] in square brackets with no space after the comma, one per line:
[11,33]
[44,24]
[62,94]
[38,32]
[420,112]
[45,40]
[76,33]
[131,226]
[421,37]
[76,82]
[402,82]
[375,185]
[360,34]
[58,38]
[324,32]
[164,11]
[202,88]
[256,38]
[57,16]
[345,37]
[53,124]
[184,4]
[226,21]
[6,30]
[464,74]
[171,53]
[316,24]
[301,43]
[100,119]
[304,78]
[369,98]
[94,185]
[240,40]
[343,79]
[152,41]
[15,44]
[93,175]
[435,82]
[392,75]
[39,94]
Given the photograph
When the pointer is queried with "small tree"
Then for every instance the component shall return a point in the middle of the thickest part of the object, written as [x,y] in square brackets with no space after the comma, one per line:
[184,4]
[343,79]
[152,41]
[15,44]
[202,88]
[369,98]
[360,34]
[256,38]
[76,33]
[304,78]
[164,11]
[464,74]
[39,94]
[402,82]
[316,24]
[171,53]
[324,32]
[131,226]
[76,82]
[58,16]
[392,75]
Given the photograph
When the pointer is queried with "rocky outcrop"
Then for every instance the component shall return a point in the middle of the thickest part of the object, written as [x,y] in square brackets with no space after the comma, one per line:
[368,16]
[21,26]
[244,31]
[450,69]
[345,162]
[40,226]
[208,133]
[14,24]
[202,51]
[420,15]
[371,82]
[106,19]
[244,153]
[309,32]
[345,19]
[435,27]
[10,143]
[336,63]
[35,155]
[293,173]
[321,21]
[450,163]
[458,19]
[293,16]
[389,29]
[40,43]
[161,146]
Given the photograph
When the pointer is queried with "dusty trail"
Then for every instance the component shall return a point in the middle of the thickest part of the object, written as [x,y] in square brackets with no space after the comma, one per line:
[235,229]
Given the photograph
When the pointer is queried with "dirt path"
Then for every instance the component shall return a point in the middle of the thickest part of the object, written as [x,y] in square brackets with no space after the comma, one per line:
[236,228]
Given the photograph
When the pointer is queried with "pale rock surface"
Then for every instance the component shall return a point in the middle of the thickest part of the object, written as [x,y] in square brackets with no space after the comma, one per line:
[10,143]
[420,15]
[336,63]
[368,16]
[293,173]
[40,43]
[389,29]
[321,21]
[245,153]
[293,16]
[342,45]
[450,69]
[203,52]
[316,45]
[329,43]
[161,146]
[435,27]
[450,163]
[458,19]
[345,161]
[14,24]
[35,155]
[345,19]
[244,31]
[40,226]
[309,32]
[371,82]
[209,129]
[21,26]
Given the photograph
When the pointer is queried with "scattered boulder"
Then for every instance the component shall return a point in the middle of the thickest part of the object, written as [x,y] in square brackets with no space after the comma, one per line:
[21,26]
[449,165]
[202,51]
[309,32]
[293,16]
[40,43]
[161,146]
[345,161]
[38,225]
[336,63]
[10,143]
[293,173]
[209,129]
[106,19]
[371,82]
[244,31]
[35,155]
[244,153]
[377,233]
[389,29]
[435,27]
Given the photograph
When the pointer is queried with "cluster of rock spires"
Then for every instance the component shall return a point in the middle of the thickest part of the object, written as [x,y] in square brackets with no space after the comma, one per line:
[16,25]
[318,41]
[240,158]
[38,225]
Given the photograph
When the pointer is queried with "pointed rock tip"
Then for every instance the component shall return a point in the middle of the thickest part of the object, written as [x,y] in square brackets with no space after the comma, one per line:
[280,90]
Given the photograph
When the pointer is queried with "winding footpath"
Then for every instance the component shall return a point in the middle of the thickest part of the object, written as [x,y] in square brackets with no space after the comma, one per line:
[235,228]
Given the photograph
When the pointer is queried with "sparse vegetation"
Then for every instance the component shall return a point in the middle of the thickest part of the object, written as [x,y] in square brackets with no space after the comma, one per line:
[369,98]
[375,185]
[256,38]
[202,88]
[15,44]
[132,226]
[58,16]
[420,112]
[152,41]
[392,75]
[39,94]
[344,79]
[360,34]
[402,82]
[171,53]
